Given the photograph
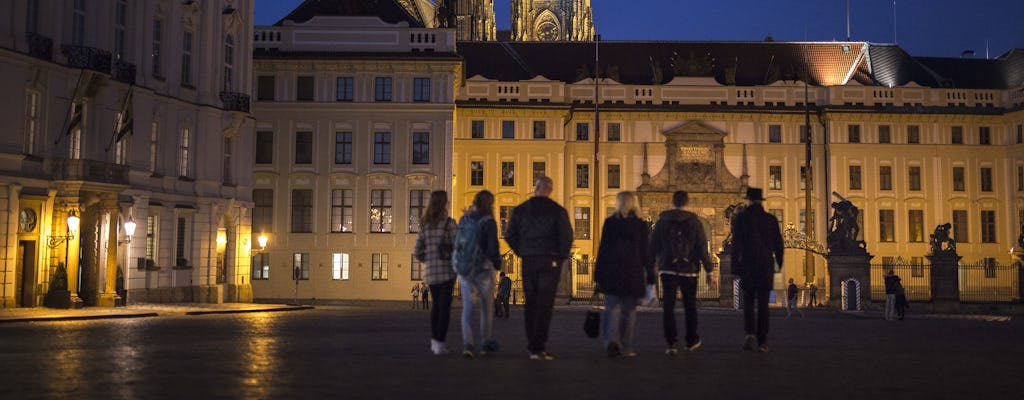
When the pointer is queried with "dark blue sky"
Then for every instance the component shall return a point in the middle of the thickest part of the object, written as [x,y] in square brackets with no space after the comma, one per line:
[941,28]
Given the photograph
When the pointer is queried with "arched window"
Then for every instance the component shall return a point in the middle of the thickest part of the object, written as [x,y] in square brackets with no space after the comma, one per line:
[229,62]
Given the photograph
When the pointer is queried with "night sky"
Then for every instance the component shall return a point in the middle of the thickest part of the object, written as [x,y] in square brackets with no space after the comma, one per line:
[942,28]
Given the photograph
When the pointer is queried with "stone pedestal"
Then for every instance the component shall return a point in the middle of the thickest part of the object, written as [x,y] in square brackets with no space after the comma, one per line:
[725,284]
[945,280]
[843,267]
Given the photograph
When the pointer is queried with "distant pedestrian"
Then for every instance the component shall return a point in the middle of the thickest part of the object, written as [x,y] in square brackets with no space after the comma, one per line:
[501,307]
[415,295]
[813,295]
[434,249]
[425,295]
[540,233]
[680,245]
[891,282]
[756,255]
[793,299]
[623,272]
[476,258]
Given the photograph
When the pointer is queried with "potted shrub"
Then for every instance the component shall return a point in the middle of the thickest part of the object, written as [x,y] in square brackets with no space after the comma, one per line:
[58,295]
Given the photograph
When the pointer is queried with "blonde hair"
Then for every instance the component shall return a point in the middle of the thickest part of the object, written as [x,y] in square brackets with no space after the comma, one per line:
[627,205]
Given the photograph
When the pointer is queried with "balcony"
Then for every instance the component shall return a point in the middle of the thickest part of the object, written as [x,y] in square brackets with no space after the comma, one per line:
[86,57]
[91,171]
[39,46]
[234,101]
[124,72]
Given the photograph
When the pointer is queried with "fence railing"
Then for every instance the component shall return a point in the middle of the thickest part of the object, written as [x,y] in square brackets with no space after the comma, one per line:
[989,283]
[916,280]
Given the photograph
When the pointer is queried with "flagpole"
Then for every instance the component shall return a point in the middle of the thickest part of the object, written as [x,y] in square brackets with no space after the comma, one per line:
[122,118]
[71,108]
[594,226]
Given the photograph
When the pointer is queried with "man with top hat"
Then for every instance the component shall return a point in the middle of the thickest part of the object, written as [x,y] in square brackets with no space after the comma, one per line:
[756,255]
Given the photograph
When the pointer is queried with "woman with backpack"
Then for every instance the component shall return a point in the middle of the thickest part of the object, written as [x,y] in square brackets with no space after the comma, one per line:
[624,269]
[434,248]
[475,259]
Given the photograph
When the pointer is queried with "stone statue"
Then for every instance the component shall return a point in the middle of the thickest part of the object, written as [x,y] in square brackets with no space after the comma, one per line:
[731,211]
[941,242]
[843,227]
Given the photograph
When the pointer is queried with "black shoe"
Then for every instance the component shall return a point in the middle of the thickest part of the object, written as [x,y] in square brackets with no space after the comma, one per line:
[750,343]
[542,356]
[672,349]
[613,350]
[694,346]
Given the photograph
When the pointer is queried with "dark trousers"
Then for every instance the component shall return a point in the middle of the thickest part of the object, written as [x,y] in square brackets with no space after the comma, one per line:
[501,308]
[442,311]
[755,319]
[540,283]
[688,287]
[426,302]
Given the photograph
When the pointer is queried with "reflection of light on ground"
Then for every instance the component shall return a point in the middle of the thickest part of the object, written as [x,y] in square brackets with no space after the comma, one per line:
[260,355]
[66,369]
[126,358]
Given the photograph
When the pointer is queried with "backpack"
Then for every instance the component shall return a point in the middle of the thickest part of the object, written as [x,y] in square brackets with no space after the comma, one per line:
[677,250]
[468,258]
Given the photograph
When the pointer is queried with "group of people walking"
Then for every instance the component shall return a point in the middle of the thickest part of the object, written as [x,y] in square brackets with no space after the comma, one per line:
[632,259]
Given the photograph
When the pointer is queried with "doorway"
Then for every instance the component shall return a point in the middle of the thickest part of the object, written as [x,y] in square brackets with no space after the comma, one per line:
[26,272]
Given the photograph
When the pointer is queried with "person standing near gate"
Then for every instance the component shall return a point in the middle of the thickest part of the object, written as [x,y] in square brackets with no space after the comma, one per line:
[813,295]
[680,245]
[425,295]
[501,308]
[891,282]
[415,294]
[792,297]
[539,232]
[756,255]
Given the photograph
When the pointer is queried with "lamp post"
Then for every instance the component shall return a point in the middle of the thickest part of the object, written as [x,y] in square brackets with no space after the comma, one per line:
[129,231]
[55,241]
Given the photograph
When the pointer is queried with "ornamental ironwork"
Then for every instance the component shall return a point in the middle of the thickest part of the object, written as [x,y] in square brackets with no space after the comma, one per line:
[86,57]
[793,238]
[39,46]
[124,72]
[234,101]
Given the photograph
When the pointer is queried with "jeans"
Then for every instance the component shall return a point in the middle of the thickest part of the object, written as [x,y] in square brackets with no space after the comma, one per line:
[540,284]
[755,321]
[688,288]
[501,307]
[440,315]
[619,320]
[793,303]
[477,301]
[890,307]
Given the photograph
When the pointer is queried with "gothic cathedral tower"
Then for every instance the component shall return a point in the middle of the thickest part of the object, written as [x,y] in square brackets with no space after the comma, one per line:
[472,19]
[552,20]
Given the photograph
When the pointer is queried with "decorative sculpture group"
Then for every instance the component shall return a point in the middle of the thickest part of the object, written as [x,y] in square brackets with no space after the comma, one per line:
[843,227]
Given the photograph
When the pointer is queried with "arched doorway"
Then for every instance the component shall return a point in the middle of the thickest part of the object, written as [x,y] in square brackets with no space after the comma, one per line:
[851,295]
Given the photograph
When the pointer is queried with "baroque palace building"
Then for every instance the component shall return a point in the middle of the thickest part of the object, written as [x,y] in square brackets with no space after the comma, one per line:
[125,113]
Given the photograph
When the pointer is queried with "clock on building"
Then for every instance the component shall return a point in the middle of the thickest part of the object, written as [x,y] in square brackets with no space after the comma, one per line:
[27,220]
[547,31]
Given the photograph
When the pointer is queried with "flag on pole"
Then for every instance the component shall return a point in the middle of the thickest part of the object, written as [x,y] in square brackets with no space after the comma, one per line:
[126,120]
[76,118]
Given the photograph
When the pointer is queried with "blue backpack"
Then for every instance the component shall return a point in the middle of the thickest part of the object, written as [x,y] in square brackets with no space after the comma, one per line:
[468,258]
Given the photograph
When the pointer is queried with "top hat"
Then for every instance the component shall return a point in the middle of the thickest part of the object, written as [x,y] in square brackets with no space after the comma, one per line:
[755,194]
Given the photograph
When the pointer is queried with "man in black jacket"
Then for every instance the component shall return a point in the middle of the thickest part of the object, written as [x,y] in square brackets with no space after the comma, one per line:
[680,231]
[756,255]
[539,232]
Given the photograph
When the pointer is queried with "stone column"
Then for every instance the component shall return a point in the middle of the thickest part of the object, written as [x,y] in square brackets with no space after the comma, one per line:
[843,266]
[1020,272]
[108,296]
[725,293]
[73,258]
[945,281]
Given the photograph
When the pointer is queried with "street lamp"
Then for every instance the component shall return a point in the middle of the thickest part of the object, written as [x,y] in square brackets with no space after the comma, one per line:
[56,240]
[262,240]
[129,229]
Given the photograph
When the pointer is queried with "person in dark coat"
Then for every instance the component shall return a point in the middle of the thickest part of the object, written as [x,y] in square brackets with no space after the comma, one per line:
[756,255]
[624,269]
[501,308]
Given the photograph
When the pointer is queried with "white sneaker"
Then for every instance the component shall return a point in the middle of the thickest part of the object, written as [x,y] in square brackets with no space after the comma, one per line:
[438,348]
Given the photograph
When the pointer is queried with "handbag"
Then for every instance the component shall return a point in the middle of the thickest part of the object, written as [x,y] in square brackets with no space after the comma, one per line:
[592,324]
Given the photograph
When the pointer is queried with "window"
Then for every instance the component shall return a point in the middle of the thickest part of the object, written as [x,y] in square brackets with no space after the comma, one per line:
[78,23]
[853,133]
[984,135]
[382,89]
[304,88]
[382,148]
[120,26]
[958,179]
[476,173]
[778,213]
[265,87]
[803,219]
[581,229]
[886,226]
[957,135]
[261,266]
[914,178]
[806,176]
[154,136]
[343,147]
[613,176]
[508,173]
[885,177]
[915,220]
[300,266]
[1020,178]
[380,211]
[855,177]
[264,147]
[158,38]
[913,134]
[986,179]
[415,269]
[803,133]
[31,121]
[229,63]
[774,133]
[302,211]
[421,148]
[379,267]
[227,160]
[181,243]
[960,226]
[186,59]
[539,170]
[186,138]
[504,213]
[508,129]
[477,129]
[339,266]
[582,131]
[540,129]
[775,177]
[345,88]
[31,16]
[121,146]
[341,211]
[303,147]
[884,134]
[917,267]
[418,200]
[421,89]
[614,132]
[151,236]
[988,226]
[582,176]
[263,210]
